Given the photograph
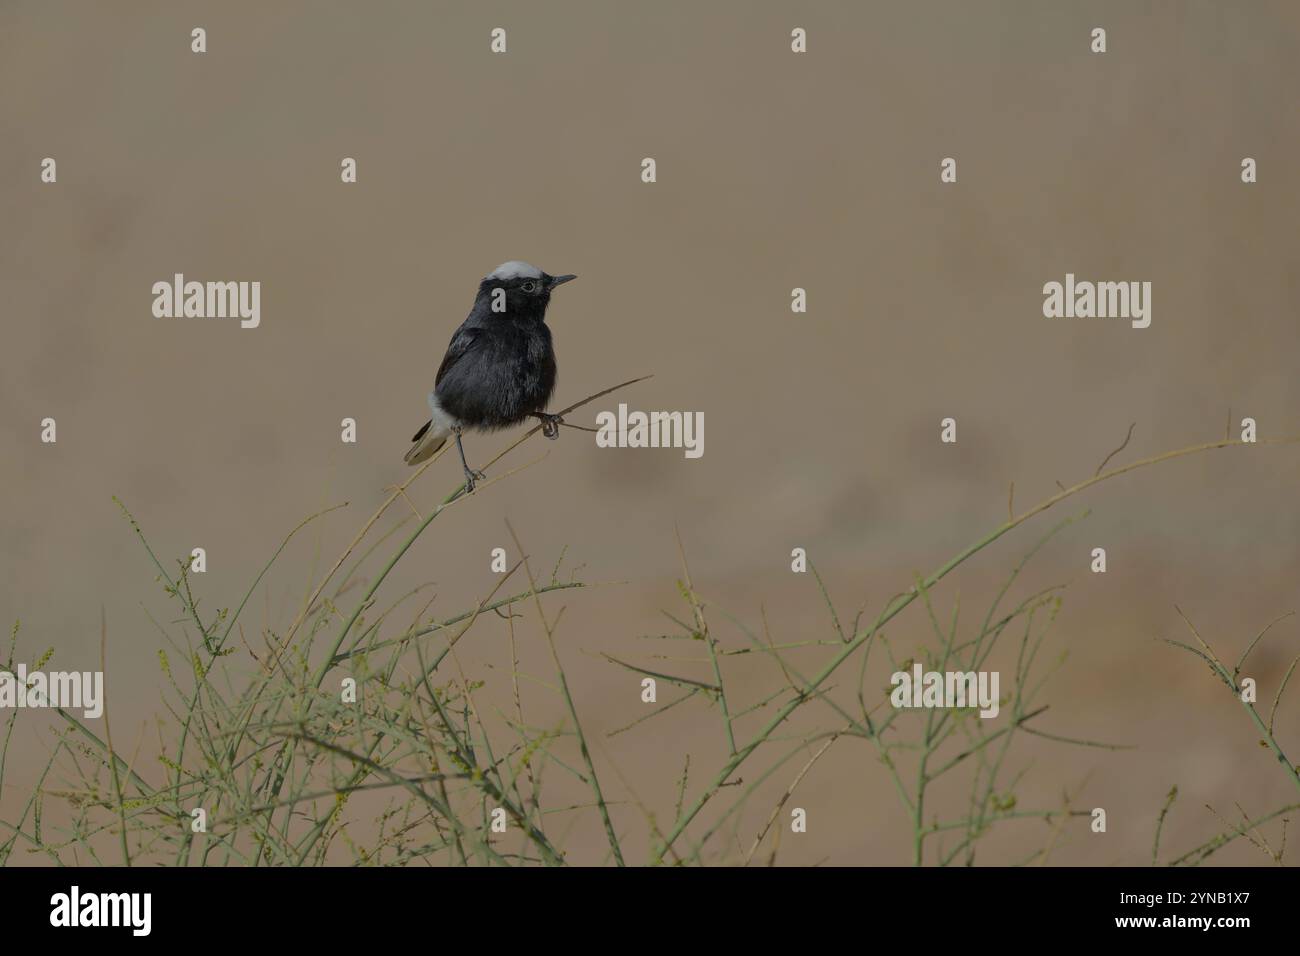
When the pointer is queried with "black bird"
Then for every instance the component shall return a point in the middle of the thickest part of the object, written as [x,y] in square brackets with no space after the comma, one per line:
[499,368]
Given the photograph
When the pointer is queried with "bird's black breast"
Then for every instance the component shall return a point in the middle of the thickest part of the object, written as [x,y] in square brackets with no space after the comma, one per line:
[503,372]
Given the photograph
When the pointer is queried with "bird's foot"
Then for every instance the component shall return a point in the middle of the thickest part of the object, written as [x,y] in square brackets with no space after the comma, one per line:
[471,478]
[550,424]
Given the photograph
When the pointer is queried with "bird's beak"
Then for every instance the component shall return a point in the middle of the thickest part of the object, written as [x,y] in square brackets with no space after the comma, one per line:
[560,280]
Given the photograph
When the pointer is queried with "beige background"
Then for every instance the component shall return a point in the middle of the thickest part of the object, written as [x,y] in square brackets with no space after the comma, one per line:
[775,171]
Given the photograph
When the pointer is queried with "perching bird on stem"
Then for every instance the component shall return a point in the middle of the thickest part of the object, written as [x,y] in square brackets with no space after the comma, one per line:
[499,369]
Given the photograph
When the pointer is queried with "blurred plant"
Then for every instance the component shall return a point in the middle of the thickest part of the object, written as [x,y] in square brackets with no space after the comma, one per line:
[1248,828]
[272,757]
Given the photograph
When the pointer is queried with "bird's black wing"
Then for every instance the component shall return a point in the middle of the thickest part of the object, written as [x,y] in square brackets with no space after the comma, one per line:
[462,343]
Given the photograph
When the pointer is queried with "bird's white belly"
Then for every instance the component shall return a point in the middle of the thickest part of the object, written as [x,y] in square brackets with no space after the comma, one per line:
[442,419]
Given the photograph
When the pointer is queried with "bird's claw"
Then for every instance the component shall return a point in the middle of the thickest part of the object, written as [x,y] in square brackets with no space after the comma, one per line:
[472,477]
[551,425]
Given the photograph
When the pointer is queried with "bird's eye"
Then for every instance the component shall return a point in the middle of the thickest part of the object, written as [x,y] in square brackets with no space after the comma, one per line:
[529,286]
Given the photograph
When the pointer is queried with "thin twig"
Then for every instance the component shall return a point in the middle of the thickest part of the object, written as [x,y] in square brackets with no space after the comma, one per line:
[1160,824]
[1107,459]
[789,791]
[108,735]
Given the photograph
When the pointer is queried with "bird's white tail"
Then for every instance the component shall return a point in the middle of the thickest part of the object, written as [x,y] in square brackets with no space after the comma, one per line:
[427,441]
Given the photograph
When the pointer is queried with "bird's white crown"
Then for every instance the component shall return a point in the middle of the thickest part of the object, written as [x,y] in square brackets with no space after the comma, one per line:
[514,269]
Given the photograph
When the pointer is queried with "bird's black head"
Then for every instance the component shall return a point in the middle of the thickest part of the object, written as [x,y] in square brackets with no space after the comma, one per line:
[517,290]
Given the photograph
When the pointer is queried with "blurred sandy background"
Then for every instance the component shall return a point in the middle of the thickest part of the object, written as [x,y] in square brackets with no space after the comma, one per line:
[775,171]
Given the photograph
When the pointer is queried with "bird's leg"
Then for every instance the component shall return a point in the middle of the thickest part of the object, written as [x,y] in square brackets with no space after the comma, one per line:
[471,475]
[550,424]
